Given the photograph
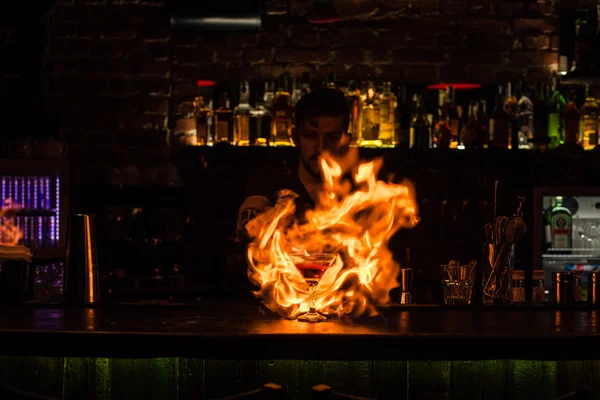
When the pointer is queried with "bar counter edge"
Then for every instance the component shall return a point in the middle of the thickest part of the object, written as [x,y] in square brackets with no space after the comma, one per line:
[397,333]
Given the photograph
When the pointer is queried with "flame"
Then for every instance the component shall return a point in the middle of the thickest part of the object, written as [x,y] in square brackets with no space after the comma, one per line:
[355,216]
[10,234]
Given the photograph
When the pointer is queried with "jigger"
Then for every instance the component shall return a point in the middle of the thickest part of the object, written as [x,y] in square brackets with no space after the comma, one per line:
[81,283]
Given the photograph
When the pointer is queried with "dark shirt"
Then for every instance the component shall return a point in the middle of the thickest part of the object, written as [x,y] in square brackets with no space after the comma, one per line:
[267,183]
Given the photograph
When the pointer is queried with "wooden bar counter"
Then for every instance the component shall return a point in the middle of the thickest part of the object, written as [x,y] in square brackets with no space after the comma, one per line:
[238,330]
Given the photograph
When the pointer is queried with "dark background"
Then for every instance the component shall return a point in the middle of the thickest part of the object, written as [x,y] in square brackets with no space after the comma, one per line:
[107,76]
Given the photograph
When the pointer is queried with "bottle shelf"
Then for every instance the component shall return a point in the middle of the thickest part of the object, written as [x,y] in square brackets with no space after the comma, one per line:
[573,254]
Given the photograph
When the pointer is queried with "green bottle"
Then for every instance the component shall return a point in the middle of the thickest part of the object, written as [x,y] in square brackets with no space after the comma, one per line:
[561,225]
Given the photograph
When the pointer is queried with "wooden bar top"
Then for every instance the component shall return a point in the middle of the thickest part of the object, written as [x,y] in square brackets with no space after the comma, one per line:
[236,330]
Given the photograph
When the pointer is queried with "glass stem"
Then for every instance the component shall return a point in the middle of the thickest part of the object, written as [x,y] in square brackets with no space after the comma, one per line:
[311,302]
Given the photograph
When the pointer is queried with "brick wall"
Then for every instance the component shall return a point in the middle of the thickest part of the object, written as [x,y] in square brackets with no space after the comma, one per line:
[119,70]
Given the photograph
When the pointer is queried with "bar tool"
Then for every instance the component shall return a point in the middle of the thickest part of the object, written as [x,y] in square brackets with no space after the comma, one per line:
[407,281]
[81,283]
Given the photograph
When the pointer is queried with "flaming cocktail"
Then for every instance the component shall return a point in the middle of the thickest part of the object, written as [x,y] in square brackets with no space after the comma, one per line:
[312,267]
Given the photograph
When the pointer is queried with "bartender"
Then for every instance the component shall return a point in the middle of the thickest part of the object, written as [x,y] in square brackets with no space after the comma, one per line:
[321,124]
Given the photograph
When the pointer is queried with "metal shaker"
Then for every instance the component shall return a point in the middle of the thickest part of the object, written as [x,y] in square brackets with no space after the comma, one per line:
[81,281]
[563,287]
[407,278]
[593,295]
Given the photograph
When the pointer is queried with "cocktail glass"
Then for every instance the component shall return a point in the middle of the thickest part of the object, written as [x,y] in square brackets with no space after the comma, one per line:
[312,267]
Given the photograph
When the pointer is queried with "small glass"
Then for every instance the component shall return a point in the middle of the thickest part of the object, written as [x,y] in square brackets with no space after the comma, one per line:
[457,281]
[538,291]
[518,286]
[312,267]
[498,263]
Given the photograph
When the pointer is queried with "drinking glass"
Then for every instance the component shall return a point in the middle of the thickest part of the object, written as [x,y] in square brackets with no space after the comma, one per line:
[457,281]
[312,267]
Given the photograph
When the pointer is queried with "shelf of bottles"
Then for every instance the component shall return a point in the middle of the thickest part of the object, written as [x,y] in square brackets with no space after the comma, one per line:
[571,235]
[515,115]
[30,210]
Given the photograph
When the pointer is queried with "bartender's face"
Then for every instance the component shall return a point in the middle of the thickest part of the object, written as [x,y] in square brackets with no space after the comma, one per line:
[313,136]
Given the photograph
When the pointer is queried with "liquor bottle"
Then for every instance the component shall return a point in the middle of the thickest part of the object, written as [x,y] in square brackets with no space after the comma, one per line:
[420,130]
[387,106]
[561,225]
[203,115]
[540,117]
[355,102]
[468,133]
[482,128]
[296,92]
[572,117]
[403,117]
[442,133]
[262,119]
[512,109]
[282,113]
[524,117]
[241,117]
[452,111]
[589,121]
[223,117]
[499,123]
[556,107]
[371,120]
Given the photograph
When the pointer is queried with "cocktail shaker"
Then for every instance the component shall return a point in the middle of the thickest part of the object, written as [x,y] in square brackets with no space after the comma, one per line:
[81,282]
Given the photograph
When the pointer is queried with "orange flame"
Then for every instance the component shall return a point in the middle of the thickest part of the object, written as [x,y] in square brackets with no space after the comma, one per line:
[10,234]
[354,218]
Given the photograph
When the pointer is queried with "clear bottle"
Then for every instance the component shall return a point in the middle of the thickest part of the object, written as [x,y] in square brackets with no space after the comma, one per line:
[387,124]
[261,121]
[371,117]
[355,101]
[589,121]
[296,92]
[282,113]
[561,226]
[518,286]
[538,291]
[525,117]
[420,130]
[223,117]
[203,115]
[241,116]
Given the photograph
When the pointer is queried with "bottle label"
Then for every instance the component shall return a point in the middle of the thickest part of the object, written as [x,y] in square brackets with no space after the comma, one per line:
[561,231]
[242,128]
[590,130]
